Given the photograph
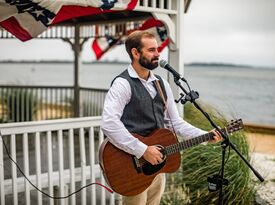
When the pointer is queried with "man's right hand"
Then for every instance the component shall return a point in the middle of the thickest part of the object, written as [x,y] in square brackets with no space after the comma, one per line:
[153,155]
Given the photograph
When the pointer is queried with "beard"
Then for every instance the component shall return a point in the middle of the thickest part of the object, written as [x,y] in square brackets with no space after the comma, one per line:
[149,64]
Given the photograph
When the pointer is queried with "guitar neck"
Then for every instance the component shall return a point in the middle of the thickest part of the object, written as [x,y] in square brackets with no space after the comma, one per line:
[174,148]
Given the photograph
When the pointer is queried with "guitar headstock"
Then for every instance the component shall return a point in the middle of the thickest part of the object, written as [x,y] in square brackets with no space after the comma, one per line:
[234,125]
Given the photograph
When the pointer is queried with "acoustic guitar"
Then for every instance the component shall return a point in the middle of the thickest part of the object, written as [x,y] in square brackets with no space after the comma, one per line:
[130,176]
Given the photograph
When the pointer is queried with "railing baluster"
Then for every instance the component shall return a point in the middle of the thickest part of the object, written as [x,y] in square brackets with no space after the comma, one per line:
[50,165]
[154,3]
[26,166]
[42,104]
[27,106]
[62,102]
[2,102]
[38,166]
[102,181]
[72,166]
[92,163]
[46,103]
[61,165]
[145,3]
[13,105]
[2,190]
[17,105]
[68,104]
[21,104]
[39,104]
[161,4]
[169,4]
[51,103]
[14,170]
[83,164]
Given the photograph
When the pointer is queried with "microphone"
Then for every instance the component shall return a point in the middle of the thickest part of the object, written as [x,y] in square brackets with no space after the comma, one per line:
[164,64]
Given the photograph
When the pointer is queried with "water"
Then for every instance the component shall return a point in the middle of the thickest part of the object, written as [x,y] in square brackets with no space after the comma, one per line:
[247,93]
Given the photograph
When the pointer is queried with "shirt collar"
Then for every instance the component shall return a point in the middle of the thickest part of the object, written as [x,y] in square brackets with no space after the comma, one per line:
[133,74]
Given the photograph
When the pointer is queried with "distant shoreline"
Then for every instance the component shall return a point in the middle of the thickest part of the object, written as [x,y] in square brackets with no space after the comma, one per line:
[201,64]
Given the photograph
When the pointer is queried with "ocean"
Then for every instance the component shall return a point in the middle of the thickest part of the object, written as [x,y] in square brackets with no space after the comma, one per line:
[237,92]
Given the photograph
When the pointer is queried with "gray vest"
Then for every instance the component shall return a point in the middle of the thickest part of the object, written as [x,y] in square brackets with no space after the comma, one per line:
[142,114]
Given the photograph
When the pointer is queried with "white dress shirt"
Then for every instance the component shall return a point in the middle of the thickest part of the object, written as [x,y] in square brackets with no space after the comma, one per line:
[119,96]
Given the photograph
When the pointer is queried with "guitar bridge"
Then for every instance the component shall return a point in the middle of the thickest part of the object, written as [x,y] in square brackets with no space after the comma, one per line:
[137,165]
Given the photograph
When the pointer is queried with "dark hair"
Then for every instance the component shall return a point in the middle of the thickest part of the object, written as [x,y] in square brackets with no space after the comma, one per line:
[134,41]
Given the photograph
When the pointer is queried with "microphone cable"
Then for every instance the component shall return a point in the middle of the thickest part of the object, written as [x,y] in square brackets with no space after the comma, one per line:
[46,194]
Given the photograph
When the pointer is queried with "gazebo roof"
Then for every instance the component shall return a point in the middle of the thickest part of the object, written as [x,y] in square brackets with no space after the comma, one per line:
[143,10]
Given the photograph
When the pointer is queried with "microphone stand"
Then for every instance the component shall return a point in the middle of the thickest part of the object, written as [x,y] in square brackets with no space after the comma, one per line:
[192,96]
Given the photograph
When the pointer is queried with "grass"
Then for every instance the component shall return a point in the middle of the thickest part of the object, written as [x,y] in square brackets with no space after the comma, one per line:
[189,185]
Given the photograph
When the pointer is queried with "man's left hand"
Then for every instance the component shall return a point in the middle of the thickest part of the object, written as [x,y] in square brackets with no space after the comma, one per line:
[217,137]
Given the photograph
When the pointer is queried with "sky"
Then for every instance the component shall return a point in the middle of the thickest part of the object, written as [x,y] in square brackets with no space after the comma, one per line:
[223,31]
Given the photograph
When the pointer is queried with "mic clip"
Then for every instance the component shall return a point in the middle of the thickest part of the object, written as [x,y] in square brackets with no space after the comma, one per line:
[191,96]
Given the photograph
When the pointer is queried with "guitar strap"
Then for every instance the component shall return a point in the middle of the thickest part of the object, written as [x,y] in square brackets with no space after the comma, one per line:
[165,103]
[160,92]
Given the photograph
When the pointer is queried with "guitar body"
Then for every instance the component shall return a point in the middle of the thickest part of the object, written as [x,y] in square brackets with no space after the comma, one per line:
[120,168]
[130,176]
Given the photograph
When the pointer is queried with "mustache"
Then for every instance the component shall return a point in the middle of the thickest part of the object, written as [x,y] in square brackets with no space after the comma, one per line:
[155,59]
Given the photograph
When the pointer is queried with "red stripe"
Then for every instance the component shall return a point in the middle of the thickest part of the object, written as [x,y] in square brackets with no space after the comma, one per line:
[98,51]
[71,11]
[163,45]
[150,23]
[132,5]
[12,26]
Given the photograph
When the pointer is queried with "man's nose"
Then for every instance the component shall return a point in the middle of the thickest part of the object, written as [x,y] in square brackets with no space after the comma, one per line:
[157,53]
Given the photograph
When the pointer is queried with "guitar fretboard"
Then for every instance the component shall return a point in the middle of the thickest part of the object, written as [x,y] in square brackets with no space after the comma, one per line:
[174,148]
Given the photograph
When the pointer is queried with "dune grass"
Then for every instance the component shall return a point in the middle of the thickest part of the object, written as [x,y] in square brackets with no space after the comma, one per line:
[189,185]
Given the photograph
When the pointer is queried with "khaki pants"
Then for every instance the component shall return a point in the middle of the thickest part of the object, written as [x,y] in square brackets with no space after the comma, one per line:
[151,196]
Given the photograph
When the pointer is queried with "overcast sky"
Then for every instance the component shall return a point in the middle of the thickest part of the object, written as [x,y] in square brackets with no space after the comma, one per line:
[227,31]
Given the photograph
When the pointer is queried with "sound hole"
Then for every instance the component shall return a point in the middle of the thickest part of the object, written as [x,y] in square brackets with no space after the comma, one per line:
[149,169]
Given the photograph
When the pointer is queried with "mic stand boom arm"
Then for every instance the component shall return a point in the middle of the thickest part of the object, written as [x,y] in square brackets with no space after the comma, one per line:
[192,97]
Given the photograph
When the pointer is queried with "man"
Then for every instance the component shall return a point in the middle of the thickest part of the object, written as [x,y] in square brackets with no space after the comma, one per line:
[135,105]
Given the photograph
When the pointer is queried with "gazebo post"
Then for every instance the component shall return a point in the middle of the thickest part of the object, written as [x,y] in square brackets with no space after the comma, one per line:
[77,53]
[76,45]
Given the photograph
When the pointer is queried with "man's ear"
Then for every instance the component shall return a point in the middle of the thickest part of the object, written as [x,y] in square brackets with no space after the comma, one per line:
[135,53]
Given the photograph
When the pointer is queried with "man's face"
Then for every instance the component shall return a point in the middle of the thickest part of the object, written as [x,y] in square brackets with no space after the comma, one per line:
[149,55]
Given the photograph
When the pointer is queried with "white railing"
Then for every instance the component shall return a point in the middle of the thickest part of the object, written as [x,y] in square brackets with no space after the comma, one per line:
[58,156]
[160,6]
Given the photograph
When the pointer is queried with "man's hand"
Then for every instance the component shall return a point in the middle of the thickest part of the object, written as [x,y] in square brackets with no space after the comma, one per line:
[217,137]
[153,155]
